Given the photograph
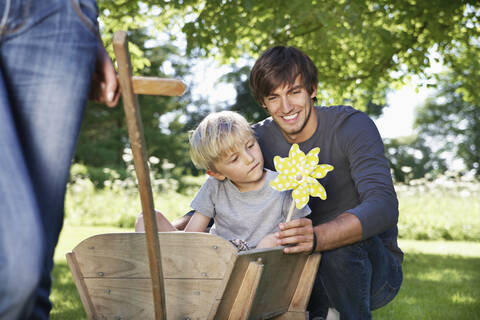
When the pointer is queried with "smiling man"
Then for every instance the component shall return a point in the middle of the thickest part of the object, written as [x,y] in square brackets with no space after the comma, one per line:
[356,226]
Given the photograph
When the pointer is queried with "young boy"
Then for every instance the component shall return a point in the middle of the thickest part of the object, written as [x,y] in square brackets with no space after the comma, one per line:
[237,195]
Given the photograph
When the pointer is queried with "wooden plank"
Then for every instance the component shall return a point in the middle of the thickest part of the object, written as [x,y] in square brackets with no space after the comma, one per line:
[240,309]
[137,143]
[132,298]
[184,255]
[279,282]
[281,274]
[158,86]
[230,264]
[305,284]
[81,286]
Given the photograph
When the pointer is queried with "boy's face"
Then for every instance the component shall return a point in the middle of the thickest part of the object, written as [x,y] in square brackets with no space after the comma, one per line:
[291,108]
[244,167]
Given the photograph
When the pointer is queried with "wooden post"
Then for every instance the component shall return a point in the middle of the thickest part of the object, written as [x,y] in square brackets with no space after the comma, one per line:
[241,307]
[137,141]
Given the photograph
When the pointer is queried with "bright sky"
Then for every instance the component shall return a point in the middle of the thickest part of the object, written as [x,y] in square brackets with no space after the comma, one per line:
[397,119]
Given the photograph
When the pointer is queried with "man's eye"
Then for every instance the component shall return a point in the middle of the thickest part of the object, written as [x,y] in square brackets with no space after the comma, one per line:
[296,91]
[234,159]
[271,98]
[250,146]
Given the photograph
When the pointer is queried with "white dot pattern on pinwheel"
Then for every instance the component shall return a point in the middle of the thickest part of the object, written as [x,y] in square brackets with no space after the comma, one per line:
[308,171]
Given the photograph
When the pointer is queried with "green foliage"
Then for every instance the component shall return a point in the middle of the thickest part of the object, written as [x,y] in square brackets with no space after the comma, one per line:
[103,136]
[410,158]
[244,102]
[452,123]
[360,47]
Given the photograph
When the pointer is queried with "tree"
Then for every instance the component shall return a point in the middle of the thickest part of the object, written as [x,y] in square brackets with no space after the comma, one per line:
[103,136]
[453,123]
[361,47]
[410,158]
[244,102]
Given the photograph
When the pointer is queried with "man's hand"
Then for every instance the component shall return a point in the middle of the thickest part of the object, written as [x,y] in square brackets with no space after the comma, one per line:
[297,232]
[104,87]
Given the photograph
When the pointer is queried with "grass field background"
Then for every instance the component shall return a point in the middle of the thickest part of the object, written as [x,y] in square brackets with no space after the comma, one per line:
[439,230]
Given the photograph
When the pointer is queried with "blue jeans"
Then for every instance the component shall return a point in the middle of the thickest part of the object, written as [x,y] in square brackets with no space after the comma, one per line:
[356,279]
[47,56]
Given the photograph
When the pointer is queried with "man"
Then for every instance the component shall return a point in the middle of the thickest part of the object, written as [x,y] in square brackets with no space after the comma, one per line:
[48,52]
[356,226]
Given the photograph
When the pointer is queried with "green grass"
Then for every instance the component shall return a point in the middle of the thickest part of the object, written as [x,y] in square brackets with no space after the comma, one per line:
[427,214]
[441,279]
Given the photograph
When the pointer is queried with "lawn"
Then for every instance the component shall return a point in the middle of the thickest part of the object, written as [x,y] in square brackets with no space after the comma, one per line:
[441,279]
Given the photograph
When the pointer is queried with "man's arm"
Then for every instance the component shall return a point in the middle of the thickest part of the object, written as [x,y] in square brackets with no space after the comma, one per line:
[378,207]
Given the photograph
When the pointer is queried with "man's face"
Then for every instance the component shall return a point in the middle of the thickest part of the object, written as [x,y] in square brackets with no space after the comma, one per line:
[291,108]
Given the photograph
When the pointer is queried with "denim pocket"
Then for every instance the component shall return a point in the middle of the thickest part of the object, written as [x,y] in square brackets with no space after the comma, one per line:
[389,290]
[87,12]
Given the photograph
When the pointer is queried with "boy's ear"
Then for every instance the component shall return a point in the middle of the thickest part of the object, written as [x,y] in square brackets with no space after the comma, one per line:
[216,175]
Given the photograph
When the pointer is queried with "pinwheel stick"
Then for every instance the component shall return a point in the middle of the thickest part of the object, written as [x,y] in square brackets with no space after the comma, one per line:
[292,205]
[290,211]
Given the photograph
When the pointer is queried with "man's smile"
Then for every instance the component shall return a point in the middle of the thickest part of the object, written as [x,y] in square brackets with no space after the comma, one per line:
[291,117]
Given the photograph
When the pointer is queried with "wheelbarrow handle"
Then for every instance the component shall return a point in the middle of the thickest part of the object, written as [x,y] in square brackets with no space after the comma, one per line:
[138,145]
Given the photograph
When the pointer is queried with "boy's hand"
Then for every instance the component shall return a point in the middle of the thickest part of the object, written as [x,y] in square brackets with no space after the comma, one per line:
[269,241]
[299,233]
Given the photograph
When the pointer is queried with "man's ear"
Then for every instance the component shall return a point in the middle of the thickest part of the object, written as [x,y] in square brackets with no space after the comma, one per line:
[314,92]
[216,175]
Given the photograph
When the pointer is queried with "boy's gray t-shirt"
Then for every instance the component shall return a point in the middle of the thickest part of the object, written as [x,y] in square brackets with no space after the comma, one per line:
[248,216]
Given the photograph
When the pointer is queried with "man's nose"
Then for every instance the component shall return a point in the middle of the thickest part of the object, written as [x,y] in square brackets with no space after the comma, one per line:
[286,105]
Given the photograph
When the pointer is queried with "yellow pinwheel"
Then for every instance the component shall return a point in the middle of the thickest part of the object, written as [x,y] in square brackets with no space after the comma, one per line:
[300,172]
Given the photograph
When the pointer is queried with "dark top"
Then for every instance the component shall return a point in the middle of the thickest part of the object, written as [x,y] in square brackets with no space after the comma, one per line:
[360,183]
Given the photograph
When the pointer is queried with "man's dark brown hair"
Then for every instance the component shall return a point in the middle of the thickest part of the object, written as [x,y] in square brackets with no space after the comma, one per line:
[280,66]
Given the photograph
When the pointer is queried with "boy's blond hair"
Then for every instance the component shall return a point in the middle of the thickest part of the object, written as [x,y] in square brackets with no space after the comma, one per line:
[218,135]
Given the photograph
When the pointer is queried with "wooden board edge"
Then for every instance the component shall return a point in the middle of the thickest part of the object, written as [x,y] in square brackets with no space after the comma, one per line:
[81,286]
[305,284]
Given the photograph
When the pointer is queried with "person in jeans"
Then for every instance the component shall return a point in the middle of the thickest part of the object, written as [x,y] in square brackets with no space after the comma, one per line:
[49,50]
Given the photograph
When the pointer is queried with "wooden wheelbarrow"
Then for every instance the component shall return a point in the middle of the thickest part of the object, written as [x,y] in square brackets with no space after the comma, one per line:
[178,275]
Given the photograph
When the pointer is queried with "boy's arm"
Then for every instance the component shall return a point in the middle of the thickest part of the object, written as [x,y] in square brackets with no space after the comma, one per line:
[269,241]
[198,223]
[182,222]
[162,223]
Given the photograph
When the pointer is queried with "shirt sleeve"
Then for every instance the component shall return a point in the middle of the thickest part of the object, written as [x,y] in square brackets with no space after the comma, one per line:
[301,213]
[204,199]
[361,142]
